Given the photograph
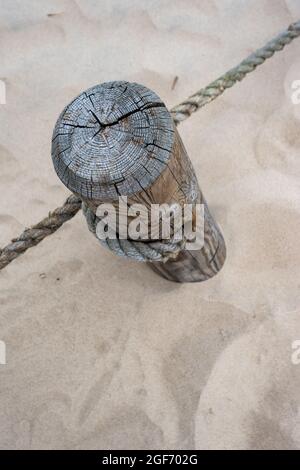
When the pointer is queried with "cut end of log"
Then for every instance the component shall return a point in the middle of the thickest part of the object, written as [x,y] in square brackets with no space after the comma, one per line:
[114,139]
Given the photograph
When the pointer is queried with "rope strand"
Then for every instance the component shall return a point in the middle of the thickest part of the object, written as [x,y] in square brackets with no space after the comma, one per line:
[234,75]
[34,235]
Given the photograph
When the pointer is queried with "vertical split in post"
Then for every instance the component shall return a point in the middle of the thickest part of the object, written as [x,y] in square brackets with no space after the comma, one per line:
[119,140]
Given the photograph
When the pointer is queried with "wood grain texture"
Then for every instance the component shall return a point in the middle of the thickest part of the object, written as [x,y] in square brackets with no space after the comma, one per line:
[179,184]
[113,139]
[118,139]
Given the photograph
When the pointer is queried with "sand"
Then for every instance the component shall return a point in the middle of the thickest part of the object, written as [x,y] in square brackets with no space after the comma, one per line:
[101,352]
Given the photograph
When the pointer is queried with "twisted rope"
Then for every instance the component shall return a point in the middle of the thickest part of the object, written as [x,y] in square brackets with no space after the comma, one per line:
[34,235]
[161,250]
[234,75]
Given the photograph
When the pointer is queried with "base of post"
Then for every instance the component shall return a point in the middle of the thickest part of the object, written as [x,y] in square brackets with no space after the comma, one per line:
[191,266]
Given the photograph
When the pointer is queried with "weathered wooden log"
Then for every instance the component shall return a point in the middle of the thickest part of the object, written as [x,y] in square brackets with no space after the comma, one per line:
[118,139]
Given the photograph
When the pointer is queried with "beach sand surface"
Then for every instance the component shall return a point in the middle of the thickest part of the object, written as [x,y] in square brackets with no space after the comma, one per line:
[101,352]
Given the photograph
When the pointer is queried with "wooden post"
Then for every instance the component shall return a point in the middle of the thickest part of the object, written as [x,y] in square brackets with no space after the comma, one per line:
[118,139]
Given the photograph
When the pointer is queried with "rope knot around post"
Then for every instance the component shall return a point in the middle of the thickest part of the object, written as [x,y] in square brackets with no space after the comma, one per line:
[152,251]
